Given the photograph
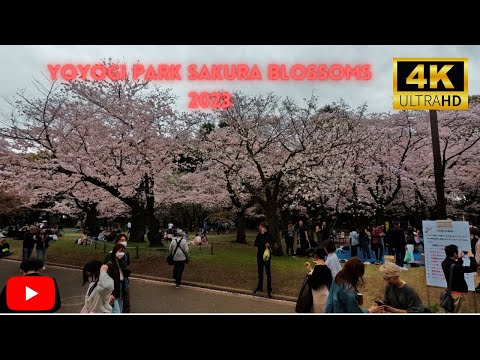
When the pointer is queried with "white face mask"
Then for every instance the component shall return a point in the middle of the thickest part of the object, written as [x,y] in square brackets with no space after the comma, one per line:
[120,254]
[124,243]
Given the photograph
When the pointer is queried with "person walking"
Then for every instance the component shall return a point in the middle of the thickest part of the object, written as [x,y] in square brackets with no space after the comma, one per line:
[42,241]
[453,262]
[262,242]
[179,249]
[97,298]
[289,239]
[124,263]
[117,272]
[29,239]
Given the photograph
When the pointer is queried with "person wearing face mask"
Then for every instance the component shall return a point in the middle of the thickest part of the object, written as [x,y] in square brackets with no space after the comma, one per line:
[125,264]
[117,270]
[101,285]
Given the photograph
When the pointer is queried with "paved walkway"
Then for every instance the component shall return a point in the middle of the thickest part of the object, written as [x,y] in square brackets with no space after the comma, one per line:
[153,296]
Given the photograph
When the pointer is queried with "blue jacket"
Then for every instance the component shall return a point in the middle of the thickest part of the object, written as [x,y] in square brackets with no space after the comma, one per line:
[343,299]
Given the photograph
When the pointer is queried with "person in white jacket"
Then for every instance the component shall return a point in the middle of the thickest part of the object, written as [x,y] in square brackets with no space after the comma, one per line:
[179,250]
[97,298]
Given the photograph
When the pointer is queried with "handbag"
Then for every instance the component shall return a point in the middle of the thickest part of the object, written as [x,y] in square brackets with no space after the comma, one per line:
[170,256]
[446,298]
[305,298]
[266,254]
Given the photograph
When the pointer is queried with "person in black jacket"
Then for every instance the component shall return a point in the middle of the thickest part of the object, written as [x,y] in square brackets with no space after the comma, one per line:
[319,279]
[117,270]
[29,239]
[125,263]
[31,267]
[458,286]
[262,241]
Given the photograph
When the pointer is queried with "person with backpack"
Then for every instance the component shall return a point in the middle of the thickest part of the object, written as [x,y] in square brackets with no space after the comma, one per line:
[179,249]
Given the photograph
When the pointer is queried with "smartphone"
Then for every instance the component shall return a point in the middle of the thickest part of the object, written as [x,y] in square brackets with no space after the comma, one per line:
[379,303]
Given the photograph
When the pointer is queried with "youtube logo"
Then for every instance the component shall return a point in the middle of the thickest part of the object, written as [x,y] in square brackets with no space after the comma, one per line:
[30,293]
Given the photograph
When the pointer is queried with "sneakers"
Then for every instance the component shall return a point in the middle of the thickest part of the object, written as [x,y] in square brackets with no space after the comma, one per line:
[257,290]
[404,268]
[177,286]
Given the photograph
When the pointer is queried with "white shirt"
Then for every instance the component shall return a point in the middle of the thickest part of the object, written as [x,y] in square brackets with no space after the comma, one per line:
[333,264]
[354,238]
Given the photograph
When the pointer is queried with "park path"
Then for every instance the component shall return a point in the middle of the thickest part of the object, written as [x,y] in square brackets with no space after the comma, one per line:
[151,296]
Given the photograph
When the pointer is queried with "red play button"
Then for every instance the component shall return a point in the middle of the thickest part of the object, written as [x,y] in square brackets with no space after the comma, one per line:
[30,293]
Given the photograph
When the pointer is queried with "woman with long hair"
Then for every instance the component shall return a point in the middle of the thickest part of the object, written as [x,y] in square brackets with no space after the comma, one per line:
[97,298]
[343,296]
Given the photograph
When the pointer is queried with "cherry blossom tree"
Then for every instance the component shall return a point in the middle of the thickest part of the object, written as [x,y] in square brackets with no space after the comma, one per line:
[118,136]
[270,138]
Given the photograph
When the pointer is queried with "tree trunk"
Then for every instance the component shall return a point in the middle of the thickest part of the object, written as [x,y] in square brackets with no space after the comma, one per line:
[91,222]
[380,216]
[241,227]
[273,221]
[154,235]
[139,224]
[142,218]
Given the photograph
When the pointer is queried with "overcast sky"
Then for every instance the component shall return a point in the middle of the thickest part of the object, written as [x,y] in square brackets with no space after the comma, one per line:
[21,63]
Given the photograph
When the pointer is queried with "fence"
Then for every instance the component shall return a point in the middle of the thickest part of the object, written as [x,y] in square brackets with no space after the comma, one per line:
[138,249]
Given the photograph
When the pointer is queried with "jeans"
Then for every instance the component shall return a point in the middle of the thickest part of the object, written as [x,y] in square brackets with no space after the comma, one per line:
[378,250]
[117,307]
[365,251]
[42,255]
[126,295]
[27,252]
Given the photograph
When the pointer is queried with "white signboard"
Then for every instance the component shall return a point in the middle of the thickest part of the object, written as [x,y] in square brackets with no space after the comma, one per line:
[437,235]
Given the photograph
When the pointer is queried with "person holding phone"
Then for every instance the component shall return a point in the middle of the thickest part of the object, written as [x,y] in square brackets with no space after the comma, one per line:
[458,287]
[343,296]
[399,296]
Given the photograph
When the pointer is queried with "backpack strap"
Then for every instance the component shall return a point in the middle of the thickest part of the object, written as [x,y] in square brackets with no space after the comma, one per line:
[451,277]
[178,244]
[93,287]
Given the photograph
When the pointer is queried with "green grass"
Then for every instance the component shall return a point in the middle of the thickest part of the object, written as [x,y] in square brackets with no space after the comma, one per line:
[231,265]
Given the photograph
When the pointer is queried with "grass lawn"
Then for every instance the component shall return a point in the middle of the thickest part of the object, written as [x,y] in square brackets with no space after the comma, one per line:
[231,265]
